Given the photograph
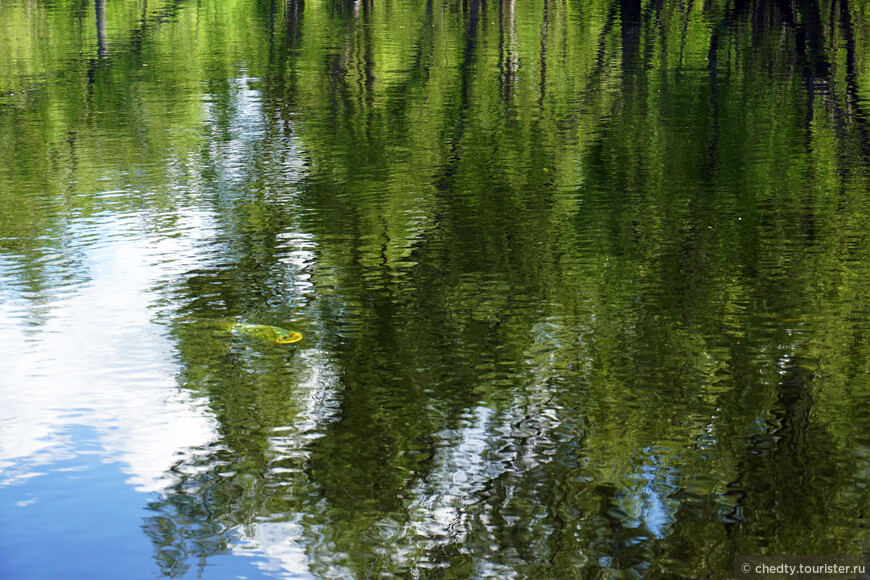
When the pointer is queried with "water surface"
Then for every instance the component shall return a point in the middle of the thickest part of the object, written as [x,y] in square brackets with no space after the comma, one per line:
[582,287]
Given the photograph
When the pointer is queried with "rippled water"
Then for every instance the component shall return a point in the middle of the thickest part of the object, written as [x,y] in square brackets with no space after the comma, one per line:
[582,287]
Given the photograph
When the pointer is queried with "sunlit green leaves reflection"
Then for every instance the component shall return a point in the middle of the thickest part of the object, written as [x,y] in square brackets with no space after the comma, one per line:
[581,284]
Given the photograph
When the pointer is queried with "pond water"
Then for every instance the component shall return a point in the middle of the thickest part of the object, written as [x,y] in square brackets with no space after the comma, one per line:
[582,287]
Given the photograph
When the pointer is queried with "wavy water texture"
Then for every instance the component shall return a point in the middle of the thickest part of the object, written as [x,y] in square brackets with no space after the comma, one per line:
[581,287]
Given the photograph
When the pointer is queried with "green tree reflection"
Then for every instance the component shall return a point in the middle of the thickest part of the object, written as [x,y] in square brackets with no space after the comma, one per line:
[582,285]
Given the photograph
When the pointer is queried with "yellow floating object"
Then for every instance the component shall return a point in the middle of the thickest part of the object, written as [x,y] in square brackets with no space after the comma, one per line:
[289,338]
[264,331]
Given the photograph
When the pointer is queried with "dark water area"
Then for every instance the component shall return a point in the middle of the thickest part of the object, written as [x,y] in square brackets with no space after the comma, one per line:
[582,287]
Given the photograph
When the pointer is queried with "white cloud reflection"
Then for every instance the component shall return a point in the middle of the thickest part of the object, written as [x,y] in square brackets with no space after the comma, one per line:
[96,358]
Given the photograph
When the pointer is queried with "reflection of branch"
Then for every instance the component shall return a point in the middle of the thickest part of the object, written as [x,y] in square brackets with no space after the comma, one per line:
[167,14]
[293,18]
[588,94]
[137,34]
[102,45]
[545,28]
[853,101]
[508,60]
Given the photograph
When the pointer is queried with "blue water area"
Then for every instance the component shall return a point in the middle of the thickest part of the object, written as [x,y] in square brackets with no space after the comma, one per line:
[76,518]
